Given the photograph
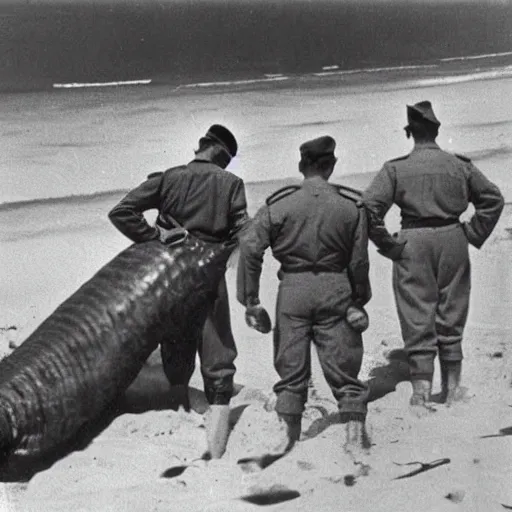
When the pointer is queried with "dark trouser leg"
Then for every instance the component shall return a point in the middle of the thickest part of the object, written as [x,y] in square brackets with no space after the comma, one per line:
[178,361]
[217,350]
[179,353]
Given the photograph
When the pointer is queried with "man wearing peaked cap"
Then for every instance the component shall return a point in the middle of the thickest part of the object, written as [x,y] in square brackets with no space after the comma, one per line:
[224,137]
[431,268]
[317,148]
[209,203]
[320,239]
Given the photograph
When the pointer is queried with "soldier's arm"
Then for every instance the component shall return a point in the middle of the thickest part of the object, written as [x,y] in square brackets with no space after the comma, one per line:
[378,199]
[253,244]
[359,266]
[488,202]
[128,215]
[238,216]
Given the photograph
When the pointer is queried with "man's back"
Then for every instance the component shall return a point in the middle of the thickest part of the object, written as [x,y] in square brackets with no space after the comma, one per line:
[313,228]
[432,183]
[203,198]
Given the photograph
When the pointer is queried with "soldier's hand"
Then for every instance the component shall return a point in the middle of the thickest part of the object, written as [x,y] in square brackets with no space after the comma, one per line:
[357,318]
[171,236]
[395,252]
[256,317]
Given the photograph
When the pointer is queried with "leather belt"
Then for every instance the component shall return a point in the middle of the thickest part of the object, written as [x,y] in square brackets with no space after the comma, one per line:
[313,270]
[427,222]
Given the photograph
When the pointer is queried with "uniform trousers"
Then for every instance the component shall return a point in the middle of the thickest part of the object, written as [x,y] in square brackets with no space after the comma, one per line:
[311,308]
[208,334]
[431,284]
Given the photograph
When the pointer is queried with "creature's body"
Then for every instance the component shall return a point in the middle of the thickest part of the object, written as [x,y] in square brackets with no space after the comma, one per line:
[90,349]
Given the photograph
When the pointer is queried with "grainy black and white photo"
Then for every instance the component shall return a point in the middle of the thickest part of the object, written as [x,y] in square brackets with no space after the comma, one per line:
[255,254]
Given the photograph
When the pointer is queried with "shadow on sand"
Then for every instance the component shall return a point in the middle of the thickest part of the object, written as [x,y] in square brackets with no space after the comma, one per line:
[383,380]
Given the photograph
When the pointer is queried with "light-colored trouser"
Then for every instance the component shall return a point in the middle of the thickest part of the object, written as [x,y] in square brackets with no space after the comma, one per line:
[311,308]
[432,285]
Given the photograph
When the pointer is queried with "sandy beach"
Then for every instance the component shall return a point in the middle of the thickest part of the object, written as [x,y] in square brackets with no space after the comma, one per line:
[48,249]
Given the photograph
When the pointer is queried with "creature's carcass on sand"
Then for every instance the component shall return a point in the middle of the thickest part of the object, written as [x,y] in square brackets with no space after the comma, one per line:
[90,349]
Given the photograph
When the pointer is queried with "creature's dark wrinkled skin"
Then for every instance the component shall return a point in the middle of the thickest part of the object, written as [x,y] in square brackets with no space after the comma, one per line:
[90,349]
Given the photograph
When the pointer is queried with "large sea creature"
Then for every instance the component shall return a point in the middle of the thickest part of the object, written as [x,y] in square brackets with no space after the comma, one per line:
[90,349]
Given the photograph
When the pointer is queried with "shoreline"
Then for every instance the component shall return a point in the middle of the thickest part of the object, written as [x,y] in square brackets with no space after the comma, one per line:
[434,72]
[110,139]
[448,70]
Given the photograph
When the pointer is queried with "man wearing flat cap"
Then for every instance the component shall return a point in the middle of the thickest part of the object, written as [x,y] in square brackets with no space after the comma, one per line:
[431,267]
[319,236]
[209,202]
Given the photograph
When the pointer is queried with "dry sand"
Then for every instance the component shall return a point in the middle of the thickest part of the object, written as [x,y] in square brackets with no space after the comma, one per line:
[49,250]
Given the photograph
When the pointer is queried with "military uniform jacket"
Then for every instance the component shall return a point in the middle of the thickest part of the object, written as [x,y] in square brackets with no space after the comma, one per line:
[310,228]
[205,199]
[430,183]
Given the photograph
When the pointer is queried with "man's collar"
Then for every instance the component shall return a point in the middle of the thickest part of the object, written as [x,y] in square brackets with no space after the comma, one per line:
[204,160]
[426,145]
[316,182]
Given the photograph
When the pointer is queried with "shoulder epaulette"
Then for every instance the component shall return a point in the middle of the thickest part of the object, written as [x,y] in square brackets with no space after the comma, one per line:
[350,193]
[154,175]
[397,159]
[281,193]
[463,158]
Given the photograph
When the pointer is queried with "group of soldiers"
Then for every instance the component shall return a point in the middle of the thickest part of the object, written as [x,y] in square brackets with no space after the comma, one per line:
[319,234]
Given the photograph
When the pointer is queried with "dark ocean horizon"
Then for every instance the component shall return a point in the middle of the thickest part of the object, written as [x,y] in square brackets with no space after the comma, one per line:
[184,43]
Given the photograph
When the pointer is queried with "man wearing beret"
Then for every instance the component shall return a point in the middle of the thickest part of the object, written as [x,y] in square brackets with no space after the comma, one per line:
[431,268]
[209,202]
[319,236]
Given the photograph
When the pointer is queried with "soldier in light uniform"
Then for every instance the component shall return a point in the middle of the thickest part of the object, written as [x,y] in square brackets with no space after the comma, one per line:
[209,202]
[320,238]
[431,267]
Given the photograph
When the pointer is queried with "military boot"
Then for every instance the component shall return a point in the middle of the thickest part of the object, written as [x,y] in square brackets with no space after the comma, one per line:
[217,430]
[356,444]
[450,381]
[355,435]
[421,390]
[293,427]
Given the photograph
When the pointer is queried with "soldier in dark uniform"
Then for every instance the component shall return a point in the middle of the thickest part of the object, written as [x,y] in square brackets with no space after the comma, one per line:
[210,203]
[431,269]
[320,238]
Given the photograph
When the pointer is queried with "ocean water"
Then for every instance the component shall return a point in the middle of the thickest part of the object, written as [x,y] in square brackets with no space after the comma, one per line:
[183,41]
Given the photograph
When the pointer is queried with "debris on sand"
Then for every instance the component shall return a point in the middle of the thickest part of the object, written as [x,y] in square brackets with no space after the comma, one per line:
[271,496]
[456,496]
[424,466]
[10,328]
